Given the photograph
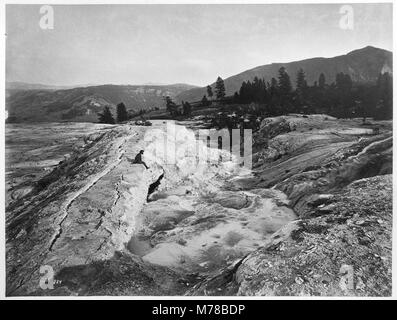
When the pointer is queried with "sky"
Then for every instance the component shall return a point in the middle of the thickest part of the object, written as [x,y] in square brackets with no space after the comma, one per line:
[164,44]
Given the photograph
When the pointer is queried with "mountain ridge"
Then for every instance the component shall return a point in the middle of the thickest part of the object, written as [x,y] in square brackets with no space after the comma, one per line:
[82,104]
[363,65]
[21,85]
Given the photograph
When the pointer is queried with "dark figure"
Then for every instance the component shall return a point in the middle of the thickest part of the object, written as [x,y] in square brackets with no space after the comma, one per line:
[138,159]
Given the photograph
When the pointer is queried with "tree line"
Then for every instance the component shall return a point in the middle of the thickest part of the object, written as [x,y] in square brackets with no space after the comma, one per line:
[185,108]
[341,98]
[107,117]
[122,114]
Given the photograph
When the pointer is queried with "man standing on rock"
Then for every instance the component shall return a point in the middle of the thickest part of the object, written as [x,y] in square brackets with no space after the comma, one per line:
[138,159]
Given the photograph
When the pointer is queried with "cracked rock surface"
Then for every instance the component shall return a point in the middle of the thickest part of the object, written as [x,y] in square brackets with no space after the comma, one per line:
[318,256]
[313,217]
[337,176]
[81,212]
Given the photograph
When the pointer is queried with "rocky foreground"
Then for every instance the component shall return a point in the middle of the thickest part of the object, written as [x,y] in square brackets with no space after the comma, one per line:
[313,217]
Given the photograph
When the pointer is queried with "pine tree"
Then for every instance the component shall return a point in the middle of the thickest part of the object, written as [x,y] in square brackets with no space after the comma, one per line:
[219,88]
[284,82]
[273,87]
[243,92]
[343,82]
[106,116]
[321,81]
[385,96]
[209,92]
[345,99]
[301,83]
[301,88]
[187,109]
[122,114]
[236,97]
[204,101]
[284,92]
[257,90]
[171,107]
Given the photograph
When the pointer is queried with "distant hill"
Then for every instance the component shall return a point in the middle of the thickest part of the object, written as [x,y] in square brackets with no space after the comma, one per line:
[18,85]
[363,65]
[36,104]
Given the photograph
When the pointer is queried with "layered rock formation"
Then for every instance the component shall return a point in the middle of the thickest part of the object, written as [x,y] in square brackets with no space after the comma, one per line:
[336,174]
[81,213]
[312,218]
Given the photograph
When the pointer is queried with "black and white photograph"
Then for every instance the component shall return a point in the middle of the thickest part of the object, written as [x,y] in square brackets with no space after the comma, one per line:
[194,150]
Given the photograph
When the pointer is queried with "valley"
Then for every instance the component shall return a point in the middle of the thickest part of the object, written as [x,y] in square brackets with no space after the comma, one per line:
[33,150]
[82,104]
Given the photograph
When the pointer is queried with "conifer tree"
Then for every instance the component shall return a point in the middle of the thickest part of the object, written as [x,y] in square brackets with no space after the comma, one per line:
[321,81]
[209,92]
[106,116]
[301,83]
[122,114]
[219,88]
[204,101]
[301,88]
[284,82]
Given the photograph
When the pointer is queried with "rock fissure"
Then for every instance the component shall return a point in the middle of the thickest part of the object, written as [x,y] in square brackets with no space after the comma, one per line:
[253,245]
[84,189]
[155,185]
